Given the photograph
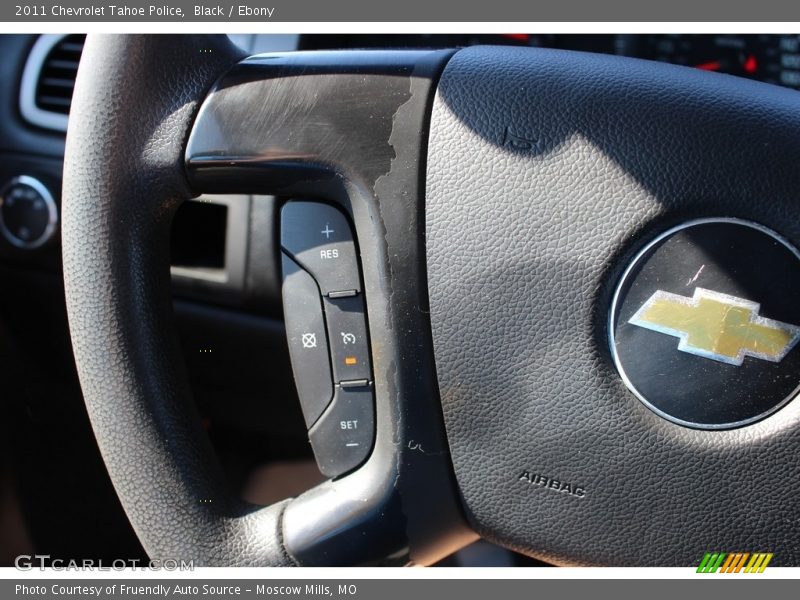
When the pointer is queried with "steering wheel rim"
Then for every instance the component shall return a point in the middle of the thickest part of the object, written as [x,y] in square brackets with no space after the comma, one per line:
[144,420]
[401,177]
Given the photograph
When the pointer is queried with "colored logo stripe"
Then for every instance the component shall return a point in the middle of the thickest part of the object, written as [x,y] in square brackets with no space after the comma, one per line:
[734,562]
[711,562]
[758,563]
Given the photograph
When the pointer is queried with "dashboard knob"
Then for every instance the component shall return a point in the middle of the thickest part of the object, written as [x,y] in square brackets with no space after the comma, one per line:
[28,213]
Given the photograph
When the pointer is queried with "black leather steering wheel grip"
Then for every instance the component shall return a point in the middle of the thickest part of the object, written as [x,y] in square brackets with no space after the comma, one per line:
[135,100]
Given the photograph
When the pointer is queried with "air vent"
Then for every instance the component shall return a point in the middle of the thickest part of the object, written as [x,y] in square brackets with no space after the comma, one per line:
[48,80]
[57,77]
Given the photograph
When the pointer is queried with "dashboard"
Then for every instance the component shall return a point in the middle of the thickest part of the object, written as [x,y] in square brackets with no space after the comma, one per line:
[771,58]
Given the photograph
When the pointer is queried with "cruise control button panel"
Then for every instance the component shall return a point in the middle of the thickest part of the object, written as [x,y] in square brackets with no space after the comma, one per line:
[326,326]
[318,237]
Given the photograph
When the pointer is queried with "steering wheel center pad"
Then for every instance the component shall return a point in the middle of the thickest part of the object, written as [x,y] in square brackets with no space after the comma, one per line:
[547,172]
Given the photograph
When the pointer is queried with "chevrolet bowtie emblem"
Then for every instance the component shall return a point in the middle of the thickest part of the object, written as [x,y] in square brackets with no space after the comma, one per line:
[717,326]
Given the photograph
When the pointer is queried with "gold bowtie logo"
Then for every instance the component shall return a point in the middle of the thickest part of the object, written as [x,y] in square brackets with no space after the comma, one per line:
[717,326]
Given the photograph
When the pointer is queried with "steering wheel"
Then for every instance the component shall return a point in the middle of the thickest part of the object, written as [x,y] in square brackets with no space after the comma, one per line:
[508,203]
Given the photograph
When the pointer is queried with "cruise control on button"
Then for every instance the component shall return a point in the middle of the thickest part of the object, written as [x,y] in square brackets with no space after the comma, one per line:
[347,331]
